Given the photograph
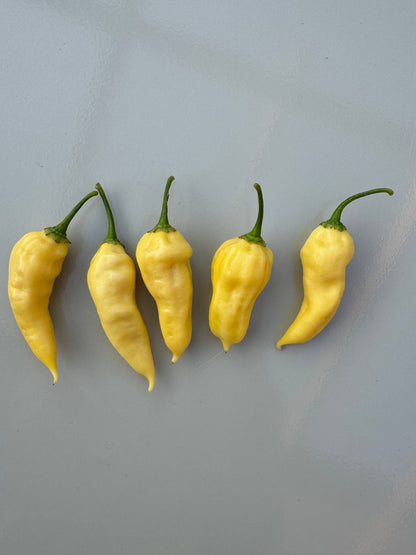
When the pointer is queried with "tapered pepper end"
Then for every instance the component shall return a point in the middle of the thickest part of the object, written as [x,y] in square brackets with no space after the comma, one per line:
[226,345]
[175,358]
[151,384]
[54,373]
[289,338]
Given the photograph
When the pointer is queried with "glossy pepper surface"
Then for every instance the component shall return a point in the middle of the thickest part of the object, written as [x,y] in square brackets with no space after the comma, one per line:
[163,256]
[112,283]
[240,270]
[35,263]
[325,256]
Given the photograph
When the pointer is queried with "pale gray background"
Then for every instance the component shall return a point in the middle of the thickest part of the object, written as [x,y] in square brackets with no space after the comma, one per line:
[308,451]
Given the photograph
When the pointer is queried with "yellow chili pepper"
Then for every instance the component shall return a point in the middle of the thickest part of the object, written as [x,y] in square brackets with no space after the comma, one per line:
[112,283]
[240,270]
[35,263]
[163,256]
[325,256]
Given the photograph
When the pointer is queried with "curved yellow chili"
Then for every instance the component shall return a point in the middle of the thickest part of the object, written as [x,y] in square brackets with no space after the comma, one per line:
[163,256]
[240,270]
[35,263]
[325,256]
[112,283]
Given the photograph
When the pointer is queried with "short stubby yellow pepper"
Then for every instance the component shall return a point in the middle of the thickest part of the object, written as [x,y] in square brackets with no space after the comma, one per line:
[112,283]
[240,270]
[163,256]
[35,263]
[325,256]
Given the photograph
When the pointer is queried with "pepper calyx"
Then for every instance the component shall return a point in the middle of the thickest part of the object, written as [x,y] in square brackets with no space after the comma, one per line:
[166,228]
[251,238]
[56,235]
[333,224]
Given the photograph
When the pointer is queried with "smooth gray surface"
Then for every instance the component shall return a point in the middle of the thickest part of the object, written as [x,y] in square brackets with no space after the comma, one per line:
[308,451]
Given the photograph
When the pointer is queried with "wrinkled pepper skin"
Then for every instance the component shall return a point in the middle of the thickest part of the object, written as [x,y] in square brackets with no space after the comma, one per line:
[240,270]
[35,262]
[163,256]
[163,259]
[111,281]
[325,256]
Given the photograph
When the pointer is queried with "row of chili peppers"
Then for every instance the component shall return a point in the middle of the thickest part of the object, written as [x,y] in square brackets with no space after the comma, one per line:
[240,270]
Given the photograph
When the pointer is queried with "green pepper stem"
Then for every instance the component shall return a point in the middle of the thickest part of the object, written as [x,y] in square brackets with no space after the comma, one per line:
[111,233]
[163,223]
[254,236]
[335,220]
[58,232]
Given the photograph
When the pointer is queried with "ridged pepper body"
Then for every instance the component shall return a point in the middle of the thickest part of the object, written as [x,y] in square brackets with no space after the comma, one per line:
[240,270]
[164,261]
[35,263]
[325,256]
[163,256]
[111,280]
[112,283]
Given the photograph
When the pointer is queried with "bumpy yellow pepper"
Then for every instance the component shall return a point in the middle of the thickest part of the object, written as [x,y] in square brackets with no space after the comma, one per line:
[112,283]
[163,256]
[325,256]
[240,270]
[35,263]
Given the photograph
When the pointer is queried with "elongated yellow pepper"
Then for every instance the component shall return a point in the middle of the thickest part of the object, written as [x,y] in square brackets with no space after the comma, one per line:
[111,280]
[324,256]
[35,263]
[163,256]
[240,270]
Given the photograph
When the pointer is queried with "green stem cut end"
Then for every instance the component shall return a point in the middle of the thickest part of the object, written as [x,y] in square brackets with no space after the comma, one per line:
[163,223]
[254,236]
[335,220]
[58,232]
